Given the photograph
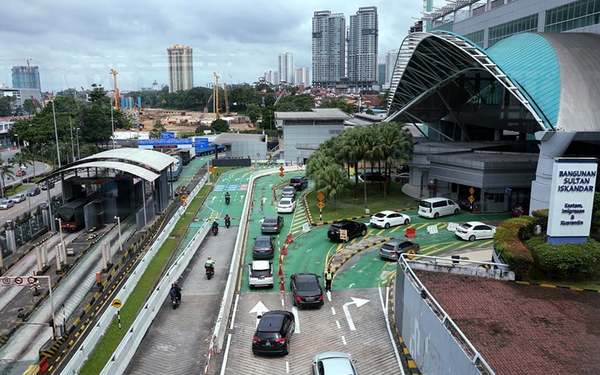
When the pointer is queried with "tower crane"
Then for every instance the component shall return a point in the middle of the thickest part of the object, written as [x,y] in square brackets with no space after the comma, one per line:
[117,94]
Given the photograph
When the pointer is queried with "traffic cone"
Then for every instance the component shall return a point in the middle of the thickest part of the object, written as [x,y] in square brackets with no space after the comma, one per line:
[281,286]
[280,272]
[284,250]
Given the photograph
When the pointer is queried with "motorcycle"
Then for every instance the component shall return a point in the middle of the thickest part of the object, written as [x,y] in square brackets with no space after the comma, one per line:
[227,200]
[175,302]
[227,223]
[210,272]
[215,230]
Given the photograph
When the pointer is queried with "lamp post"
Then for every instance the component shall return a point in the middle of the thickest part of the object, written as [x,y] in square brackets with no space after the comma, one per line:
[62,240]
[72,143]
[118,219]
[77,137]
[56,134]
[112,122]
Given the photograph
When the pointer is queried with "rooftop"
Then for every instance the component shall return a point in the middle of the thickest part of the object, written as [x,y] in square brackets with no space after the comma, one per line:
[238,137]
[314,114]
[522,329]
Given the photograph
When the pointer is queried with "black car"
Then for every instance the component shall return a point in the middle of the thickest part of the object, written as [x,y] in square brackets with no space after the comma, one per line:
[273,333]
[353,229]
[272,225]
[299,183]
[263,248]
[306,290]
[47,185]
[33,191]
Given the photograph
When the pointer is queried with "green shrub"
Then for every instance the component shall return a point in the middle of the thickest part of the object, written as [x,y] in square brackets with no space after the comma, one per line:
[568,261]
[508,242]
[541,218]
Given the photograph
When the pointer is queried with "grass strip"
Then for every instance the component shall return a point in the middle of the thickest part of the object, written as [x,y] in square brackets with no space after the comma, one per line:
[113,336]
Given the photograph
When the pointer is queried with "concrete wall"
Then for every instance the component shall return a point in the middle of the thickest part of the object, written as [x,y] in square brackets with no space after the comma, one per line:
[253,149]
[300,141]
[431,345]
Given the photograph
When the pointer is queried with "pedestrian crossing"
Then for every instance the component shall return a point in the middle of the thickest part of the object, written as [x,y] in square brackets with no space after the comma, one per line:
[300,218]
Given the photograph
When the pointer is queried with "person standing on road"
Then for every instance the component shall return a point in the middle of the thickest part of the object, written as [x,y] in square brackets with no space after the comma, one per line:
[328,279]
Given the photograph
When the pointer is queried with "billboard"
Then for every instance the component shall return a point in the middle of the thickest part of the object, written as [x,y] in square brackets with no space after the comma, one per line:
[571,200]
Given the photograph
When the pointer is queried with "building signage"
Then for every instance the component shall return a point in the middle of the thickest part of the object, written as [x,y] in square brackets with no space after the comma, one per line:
[571,199]
[165,141]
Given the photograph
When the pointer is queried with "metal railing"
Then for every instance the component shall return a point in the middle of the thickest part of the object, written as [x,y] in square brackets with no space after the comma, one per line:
[474,355]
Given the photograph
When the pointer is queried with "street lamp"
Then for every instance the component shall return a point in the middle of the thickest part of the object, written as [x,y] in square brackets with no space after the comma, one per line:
[62,240]
[112,121]
[77,137]
[118,219]
[56,134]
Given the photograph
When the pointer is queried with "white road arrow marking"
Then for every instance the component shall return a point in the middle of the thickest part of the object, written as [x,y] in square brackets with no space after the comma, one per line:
[259,309]
[297,318]
[355,301]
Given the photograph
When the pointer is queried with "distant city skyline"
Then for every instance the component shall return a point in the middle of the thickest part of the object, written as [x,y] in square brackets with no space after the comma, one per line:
[74,45]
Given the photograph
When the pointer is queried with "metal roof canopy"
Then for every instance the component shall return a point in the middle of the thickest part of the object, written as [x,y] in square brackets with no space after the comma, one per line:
[119,166]
[154,160]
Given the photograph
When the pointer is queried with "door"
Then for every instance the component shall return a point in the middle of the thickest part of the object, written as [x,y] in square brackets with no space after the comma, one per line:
[395,219]
[483,231]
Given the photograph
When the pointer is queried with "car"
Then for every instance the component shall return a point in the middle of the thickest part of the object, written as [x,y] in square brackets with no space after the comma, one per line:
[288,192]
[286,206]
[333,363]
[392,249]
[273,333]
[18,198]
[299,183]
[386,219]
[436,207]
[260,274]
[272,225]
[31,192]
[5,204]
[21,172]
[306,290]
[47,185]
[263,248]
[353,229]
[475,230]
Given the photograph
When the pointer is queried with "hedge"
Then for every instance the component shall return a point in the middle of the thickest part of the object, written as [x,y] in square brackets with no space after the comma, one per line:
[568,261]
[508,242]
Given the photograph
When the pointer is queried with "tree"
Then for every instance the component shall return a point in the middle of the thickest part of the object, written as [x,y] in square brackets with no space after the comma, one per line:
[268,118]
[30,106]
[340,103]
[6,105]
[6,170]
[295,103]
[20,160]
[220,126]
[200,129]
[254,112]
[157,129]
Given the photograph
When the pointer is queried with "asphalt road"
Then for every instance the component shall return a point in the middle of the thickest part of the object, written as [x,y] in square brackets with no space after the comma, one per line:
[29,204]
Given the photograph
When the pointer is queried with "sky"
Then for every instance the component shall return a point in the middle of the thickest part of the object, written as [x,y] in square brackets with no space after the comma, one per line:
[75,43]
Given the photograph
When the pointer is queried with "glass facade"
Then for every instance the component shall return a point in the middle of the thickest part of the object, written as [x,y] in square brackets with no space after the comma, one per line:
[476,37]
[448,26]
[572,16]
[497,33]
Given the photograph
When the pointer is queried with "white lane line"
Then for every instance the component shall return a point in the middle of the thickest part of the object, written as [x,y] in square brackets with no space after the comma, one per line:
[389,329]
[329,296]
[287,367]
[332,310]
[297,318]
[225,356]
[344,340]
[235,305]
[282,303]
[337,323]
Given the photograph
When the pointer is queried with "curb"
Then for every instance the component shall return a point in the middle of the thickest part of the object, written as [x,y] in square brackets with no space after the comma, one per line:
[557,286]
[349,256]
[327,222]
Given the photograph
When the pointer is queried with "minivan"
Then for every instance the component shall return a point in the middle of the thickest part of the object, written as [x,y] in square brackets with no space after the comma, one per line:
[436,207]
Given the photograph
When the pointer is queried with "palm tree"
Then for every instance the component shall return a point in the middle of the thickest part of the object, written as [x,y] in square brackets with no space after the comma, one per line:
[332,181]
[6,170]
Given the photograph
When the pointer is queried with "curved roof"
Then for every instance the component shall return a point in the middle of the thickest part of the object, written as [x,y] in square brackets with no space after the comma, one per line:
[154,160]
[120,166]
[553,76]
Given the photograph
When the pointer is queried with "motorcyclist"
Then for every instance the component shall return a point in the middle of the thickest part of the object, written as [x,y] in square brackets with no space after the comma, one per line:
[175,292]
[227,220]
[210,264]
[227,197]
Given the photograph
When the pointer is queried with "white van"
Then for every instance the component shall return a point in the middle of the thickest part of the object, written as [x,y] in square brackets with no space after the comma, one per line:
[436,207]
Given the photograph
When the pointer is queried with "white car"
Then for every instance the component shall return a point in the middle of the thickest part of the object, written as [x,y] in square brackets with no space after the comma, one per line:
[260,274]
[386,219]
[475,230]
[5,204]
[435,207]
[18,198]
[286,206]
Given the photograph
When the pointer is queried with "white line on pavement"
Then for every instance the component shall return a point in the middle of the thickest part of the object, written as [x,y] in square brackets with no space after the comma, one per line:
[282,303]
[337,323]
[287,367]
[329,296]
[344,340]
[224,365]
[387,323]
[297,318]
[235,305]
[332,310]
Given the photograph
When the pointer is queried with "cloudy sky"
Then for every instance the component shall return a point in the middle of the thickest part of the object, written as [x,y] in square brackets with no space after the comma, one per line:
[76,42]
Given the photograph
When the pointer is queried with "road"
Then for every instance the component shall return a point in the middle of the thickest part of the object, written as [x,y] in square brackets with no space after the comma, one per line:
[30,203]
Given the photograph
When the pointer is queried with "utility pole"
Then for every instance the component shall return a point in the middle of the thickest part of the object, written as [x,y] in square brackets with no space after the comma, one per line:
[56,134]
[72,142]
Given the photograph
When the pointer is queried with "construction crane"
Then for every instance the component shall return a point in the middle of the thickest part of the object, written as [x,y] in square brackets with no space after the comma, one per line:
[216,94]
[117,94]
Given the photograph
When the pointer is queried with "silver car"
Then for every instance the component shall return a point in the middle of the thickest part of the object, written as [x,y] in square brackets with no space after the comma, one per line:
[333,363]
[5,204]
[18,198]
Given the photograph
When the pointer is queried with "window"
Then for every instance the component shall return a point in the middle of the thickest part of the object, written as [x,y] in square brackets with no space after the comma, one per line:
[573,16]
[521,25]
[476,37]
[440,204]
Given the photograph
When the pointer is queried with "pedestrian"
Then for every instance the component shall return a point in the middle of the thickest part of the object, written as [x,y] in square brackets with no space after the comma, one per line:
[328,279]
[262,203]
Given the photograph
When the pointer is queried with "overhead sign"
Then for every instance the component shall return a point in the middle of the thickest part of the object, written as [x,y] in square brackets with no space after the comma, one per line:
[571,199]
[18,280]
[165,141]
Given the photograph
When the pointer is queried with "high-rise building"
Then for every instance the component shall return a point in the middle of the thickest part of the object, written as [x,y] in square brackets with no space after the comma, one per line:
[381,72]
[328,48]
[181,72]
[26,77]
[286,67]
[301,77]
[362,47]
[390,62]
[276,79]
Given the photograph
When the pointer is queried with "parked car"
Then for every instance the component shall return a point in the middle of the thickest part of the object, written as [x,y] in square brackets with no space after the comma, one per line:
[436,207]
[272,225]
[263,248]
[392,249]
[288,192]
[333,363]
[31,192]
[47,185]
[273,333]
[353,229]
[306,290]
[18,198]
[286,206]
[5,204]
[475,230]
[299,183]
[260,274]
[386,219]
[21,172]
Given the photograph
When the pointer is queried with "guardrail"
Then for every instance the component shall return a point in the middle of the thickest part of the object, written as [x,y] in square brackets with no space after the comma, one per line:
[88,345]
[134,336]
[218,338]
